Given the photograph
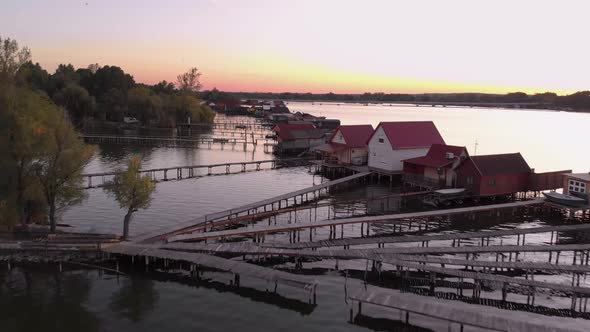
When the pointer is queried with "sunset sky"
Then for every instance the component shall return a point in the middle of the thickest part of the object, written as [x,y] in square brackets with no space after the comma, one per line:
[346,46]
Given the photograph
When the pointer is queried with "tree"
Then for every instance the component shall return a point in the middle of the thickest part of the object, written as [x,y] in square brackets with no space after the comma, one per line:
[77,101]
[131,190]
[189,81]
[12,58]
[59,166]
[144,105]
[23,116]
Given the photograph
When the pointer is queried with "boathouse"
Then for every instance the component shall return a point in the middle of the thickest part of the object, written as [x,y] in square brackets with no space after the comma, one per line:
[346,146]
[393,142]
[576,184]
[494,175]
[297,137]
[435,169]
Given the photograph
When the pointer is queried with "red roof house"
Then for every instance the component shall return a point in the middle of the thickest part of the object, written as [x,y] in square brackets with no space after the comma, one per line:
[436,168]
[494,175]
[393,142]
[347,145]
[298,137]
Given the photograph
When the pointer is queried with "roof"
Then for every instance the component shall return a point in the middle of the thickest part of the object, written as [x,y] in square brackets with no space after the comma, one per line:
[496,164]
[579,176]
[412,134]
[330,147]
[355,135]
[437,156]
[284,130]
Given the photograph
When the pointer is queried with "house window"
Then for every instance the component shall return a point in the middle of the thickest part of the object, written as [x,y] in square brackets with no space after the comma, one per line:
[469,180]
[577,186]
[381,140]
[492,182]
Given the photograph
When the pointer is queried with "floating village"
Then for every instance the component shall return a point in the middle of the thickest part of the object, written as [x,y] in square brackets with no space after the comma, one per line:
[491,280]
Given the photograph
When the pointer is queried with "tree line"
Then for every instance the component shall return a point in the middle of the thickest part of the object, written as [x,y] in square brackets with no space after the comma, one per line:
[106,93]
[579,101]
[42,156]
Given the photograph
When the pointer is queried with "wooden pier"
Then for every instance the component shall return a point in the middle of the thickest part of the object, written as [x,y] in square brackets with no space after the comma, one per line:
[191,171]
[483,236]
[178,141]
[462,314]
[392,218]
[149,253]
[292,198]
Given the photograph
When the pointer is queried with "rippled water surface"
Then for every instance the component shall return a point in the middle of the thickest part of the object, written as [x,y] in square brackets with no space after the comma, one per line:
[40,298]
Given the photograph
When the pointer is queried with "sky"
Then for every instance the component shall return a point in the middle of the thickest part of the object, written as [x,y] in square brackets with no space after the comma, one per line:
[345,46]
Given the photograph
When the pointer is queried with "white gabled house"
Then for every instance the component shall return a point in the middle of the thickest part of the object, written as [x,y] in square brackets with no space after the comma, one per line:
[393,142]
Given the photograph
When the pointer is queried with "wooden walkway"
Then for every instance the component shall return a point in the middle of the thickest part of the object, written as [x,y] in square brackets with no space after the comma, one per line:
[248,248]
[233,266]
[483,235]
[529,266]
[191,171]
[175,141]
[303,194]
[392,218]
[390,256]
[466,314]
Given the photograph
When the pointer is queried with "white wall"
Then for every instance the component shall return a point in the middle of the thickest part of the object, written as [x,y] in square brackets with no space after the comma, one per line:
[383,157]
[338,138]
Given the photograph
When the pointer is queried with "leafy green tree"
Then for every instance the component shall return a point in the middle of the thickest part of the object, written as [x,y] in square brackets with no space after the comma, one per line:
[131,190]
[77,101]
[59,166]
[144,105]
[164,87]
[189,82]
[12,58]
[34,76]
[64,75]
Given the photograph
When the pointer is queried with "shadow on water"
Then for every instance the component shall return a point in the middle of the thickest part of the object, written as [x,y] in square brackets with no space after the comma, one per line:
[135,298]
[36,299]
[384,324]
[267,297]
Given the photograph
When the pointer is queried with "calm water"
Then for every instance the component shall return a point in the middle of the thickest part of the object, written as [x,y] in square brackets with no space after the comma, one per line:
[86,300]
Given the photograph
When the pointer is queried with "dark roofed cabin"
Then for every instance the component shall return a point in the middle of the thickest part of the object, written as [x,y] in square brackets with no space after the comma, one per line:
[494,175]
[436,169]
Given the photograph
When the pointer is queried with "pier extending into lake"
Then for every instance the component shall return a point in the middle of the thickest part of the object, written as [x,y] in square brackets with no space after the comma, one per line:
[195,260]
[277,202]
[178,141]
[191,171]
[259,231]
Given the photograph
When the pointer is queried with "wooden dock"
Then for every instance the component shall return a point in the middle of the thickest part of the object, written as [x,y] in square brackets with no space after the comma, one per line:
[277,202]
[482,236]
[177,141]
[233,266]
[392,218]
[464,314]
[191,171]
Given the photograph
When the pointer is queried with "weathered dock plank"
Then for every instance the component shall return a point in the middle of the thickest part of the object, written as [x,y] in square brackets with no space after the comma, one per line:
[219,263]
[424,238]
[391,218]
[502,265]
[467,314]
[254,249]
[167,231]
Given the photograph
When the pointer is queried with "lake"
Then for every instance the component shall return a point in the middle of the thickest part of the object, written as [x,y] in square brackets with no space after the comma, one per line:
[36,298]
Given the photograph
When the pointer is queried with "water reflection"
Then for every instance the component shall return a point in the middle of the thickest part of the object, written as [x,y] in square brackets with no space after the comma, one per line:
[134,299]
[38,299]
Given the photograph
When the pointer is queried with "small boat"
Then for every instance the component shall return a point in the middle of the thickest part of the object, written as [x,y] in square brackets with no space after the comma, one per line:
[564,199]
[446,197]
